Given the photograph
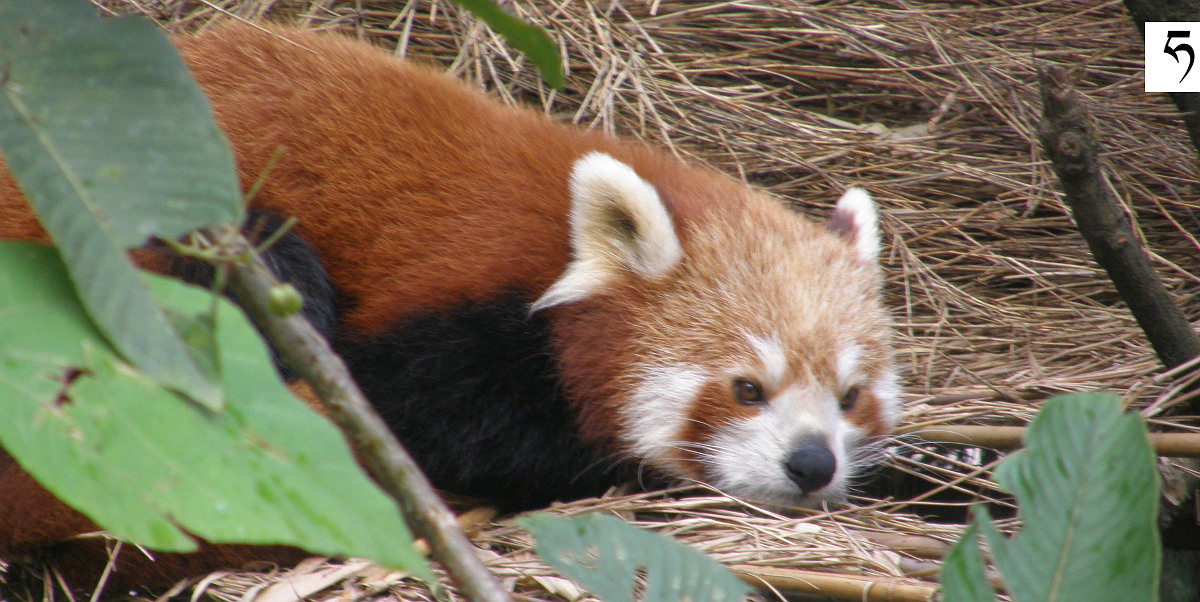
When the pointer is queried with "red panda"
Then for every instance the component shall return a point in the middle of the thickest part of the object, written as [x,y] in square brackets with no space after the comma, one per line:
[540,311]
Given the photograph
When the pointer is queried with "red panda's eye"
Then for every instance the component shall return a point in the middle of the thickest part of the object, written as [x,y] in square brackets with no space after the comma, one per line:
[748,392]
[849,399]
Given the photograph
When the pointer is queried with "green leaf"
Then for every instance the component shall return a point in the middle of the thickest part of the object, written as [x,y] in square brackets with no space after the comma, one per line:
[1087,489]
[604,555]
[529,39]
[963,575]
[151,468]
[112,142]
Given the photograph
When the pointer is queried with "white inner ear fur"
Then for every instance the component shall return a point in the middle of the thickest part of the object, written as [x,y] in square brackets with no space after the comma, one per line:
[856,220]
[618,222]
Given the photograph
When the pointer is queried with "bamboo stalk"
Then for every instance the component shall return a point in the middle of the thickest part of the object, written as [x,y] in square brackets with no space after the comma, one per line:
[845,587]
[1002,438]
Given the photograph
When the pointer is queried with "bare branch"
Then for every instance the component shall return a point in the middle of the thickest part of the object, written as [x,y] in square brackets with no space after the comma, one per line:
[1067,138]
[306,351]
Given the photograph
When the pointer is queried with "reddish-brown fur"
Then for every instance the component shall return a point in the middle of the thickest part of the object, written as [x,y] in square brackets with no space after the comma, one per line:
[488,185]
[350,123]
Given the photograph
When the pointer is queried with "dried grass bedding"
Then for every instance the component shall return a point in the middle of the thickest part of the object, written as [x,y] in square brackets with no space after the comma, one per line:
[931,106]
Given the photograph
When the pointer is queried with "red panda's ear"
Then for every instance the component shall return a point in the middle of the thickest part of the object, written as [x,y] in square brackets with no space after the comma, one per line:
[854,219]
[618,223]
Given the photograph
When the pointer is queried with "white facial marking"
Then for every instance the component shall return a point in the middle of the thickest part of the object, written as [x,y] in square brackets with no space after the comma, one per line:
[847,365]
[658,409]
[773,357]
[887,390]
[748,457]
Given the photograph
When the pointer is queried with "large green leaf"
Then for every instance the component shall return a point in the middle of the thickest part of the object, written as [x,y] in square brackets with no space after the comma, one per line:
[1087,489]
[604,555]
[963,576]
[146,466]
[529,39]
[112,142]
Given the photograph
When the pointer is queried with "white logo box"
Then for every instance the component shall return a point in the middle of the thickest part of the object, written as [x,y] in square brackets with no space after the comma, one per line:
[1172,56]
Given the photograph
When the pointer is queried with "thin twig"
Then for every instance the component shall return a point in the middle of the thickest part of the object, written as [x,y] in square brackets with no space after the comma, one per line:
[307,353]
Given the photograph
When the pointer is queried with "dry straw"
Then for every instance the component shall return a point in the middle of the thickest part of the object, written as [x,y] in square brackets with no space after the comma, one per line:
[931,106]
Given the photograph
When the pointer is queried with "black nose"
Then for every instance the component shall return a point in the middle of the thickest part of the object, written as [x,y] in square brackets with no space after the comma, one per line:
[811,467]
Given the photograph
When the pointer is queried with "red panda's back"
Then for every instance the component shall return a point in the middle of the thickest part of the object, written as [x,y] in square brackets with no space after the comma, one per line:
[405,180]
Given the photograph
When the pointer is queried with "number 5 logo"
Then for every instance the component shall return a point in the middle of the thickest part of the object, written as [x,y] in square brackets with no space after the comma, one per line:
[1180,48]
[1170,51]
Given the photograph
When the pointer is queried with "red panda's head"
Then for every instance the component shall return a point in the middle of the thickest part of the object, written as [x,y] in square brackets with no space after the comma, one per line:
[728,341]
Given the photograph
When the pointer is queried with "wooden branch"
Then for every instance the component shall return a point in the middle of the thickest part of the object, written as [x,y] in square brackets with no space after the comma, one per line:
[1067,138]
[1003,438]
[304,350]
